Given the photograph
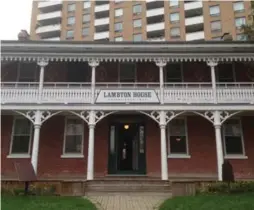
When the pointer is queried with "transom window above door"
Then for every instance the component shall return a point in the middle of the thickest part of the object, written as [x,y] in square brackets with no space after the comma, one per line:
[127,72]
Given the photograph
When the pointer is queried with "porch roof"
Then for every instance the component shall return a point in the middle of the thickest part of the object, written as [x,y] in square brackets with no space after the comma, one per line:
[127,51]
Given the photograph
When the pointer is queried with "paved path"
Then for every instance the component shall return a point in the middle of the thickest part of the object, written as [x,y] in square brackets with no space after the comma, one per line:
[128,201]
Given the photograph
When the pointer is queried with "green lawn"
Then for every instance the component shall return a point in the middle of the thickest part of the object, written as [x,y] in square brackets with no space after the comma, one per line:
[45,203]
[211,202]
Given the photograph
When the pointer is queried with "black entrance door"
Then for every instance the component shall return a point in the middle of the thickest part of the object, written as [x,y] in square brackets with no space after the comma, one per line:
[127,148]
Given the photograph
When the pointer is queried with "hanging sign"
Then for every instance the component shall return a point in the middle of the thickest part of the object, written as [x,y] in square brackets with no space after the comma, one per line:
[127,96]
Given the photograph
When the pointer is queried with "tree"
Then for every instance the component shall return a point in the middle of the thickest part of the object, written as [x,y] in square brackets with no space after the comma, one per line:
[248,29]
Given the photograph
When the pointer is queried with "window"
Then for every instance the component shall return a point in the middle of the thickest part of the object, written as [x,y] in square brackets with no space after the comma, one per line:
[217,38]
[174,3]
[215,10]
[239,6]
[137,37]
[241,37]
[86,18]
[73,138]
[21,137]
[86,4]
[85,31]
[118,1]
[215,26]
[239,22]
[71,7]
[174,17]
[232,137]
[70,34]
[174,72]
[71,20]
[225,73]
[175,32]
[177,137]
[118,12]
[118,27]
[137,23]
[137,9]
[127,72]
[119,39]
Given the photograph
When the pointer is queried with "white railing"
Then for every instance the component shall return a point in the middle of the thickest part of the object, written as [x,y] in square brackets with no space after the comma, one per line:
[43,4]
[49,15]
[195,36]
[194,20]
[174,93]
[49,28]
[193,5]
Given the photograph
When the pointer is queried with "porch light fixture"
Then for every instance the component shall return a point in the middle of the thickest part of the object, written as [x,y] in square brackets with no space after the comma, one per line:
[126,127]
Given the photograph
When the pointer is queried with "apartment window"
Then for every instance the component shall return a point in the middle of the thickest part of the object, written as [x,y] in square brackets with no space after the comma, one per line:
[174,72]
[174,3]
[119,39]
[177,137]
[73,136]
[233,138]
[174,17]
[86,4]
[225,73]
[118,12]
[70,34]
[215,26]
[137,9]
[137,23]
[71,7]
[215,10]
[240,21]
[86,18]
[71,20]
[85,31]
[118,27]
[21,136]
[241,37]
[239,6]
[175,32]
[137,37]
[127,72]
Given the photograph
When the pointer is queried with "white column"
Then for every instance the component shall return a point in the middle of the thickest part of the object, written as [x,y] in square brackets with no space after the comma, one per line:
[212,65]
[93,64]
[161,64]
[36,139]
[42,64]
[90,159]
[164,159]
[219,148]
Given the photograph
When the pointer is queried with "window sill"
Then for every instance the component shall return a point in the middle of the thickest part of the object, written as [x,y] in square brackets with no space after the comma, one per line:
[179,156]
[72,156]
[236,157]
[18,156]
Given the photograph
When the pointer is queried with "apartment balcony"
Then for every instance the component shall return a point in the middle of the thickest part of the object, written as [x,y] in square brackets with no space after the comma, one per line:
[101,21]
[194,20]
[49,31]
[101,2]
[155,27]
[101,35]
[174,93]
[200,35]
[49,6]
[152,4]
[158,39]
[49,18]
[52,39]
[101,8]
[193,5]
[155,12]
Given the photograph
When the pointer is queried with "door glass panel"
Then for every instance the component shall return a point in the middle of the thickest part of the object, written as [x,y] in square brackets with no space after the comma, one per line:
[112,139]
[141,139]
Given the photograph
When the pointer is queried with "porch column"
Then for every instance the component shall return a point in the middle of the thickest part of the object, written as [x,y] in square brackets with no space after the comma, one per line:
[93,64]
[219,148]
[161,64]
[42,64]
[90,159]
[164,159]
[36,139]
[212,65]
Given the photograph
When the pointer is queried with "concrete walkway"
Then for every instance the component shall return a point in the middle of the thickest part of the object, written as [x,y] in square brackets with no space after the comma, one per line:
[136,201]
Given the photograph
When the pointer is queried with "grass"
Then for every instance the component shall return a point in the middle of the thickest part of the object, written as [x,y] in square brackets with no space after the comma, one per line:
[45,203]
[210,202]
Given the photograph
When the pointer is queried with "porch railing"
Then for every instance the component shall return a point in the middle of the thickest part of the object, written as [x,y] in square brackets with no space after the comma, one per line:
[174,93]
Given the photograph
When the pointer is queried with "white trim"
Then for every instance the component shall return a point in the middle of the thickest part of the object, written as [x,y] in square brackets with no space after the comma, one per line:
[19,156]
[176,156]
[235,157]
[72,156]
[12,137]
[69,155]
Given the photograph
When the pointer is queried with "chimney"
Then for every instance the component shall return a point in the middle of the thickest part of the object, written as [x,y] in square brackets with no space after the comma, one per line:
[23,35]
[227,37]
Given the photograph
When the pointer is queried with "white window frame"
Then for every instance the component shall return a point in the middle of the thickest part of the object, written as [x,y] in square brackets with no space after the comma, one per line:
[217,29]
[238,2]
[71,18]
[20,155]
[86,4]
[174,13]
[137,21]
[70,37]
[172,3]
[118,30]
[85,35]
[86,20]
[238,27]
[69,5]
[214,14]
[175,37]
[73,155]
[187,155]
[118,12]
[135,35]
[136,13]
[118,39]
[234,156]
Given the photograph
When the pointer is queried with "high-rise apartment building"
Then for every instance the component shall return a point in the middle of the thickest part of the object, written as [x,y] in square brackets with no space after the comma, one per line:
[138,20]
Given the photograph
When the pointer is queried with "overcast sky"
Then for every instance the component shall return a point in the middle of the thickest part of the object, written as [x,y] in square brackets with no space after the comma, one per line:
[14,16]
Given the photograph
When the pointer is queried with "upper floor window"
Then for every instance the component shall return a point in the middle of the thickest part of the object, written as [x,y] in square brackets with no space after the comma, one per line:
[127,72]
[215,26]
[177,137]
[174,3]
[175,32]
[137,37]
[119,39]
[118,27]
[71,7]
[214,10]
[71,20]
[239,6]
[86,4]
[73,137]
[118,12]
[174,72]
[233,137]
[241,37]
[85,31]
[174,17]
[137,23]
[21,137]
[69,34]
[137,9]
[86,18]
[239,22]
